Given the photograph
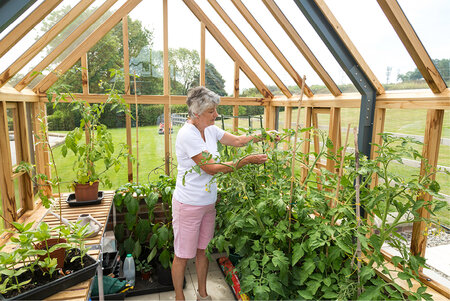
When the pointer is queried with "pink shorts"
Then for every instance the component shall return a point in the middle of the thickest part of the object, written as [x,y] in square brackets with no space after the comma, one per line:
[193,227]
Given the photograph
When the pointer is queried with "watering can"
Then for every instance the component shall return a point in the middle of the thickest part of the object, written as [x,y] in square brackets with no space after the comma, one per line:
[94,226]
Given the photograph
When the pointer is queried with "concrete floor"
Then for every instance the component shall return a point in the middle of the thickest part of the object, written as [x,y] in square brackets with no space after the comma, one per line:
[217,287]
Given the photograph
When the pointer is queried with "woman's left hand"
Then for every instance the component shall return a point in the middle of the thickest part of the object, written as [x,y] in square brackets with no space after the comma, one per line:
[275,135]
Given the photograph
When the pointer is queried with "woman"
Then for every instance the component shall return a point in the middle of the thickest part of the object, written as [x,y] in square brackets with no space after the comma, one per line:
[193,204]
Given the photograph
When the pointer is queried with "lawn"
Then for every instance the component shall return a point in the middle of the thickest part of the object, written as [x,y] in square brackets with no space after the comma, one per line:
[151,156]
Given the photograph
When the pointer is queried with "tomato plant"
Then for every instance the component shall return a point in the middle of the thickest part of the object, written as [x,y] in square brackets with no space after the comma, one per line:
[312,255]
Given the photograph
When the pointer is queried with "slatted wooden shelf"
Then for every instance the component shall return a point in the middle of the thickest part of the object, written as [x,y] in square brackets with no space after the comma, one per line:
[101,213]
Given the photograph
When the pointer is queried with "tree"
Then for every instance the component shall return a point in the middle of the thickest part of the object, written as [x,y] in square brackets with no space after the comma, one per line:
[184,69]
[442,65]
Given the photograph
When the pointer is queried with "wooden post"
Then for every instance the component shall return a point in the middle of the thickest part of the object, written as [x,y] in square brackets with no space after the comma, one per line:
[378,128]
[236,80]
[6,184]
[126,74]
[166,88]
[202,55]
[25,182]
[333,129]
[430,152]
[269,112]
[84,74]
[307,143]
[236,118]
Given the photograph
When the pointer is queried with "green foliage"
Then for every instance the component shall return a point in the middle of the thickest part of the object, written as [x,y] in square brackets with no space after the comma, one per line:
[308,256]
[25,255]
[140,234]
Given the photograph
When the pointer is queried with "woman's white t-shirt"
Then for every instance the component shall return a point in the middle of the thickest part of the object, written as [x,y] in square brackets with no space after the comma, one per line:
[197,189]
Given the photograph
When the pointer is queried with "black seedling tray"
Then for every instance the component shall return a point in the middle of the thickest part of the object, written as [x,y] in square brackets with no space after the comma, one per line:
[73,202]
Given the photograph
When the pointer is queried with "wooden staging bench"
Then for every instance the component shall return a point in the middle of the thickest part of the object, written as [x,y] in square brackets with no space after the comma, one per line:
[101,213]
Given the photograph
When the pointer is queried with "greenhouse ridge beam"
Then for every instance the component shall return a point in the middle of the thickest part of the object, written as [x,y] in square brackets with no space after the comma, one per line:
[345,59]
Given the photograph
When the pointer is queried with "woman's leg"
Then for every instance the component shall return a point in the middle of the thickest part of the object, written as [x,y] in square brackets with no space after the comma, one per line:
[178,269]
[201,265]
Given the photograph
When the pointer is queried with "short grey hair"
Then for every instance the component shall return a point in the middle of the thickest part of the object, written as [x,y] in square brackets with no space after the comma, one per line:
[199,99]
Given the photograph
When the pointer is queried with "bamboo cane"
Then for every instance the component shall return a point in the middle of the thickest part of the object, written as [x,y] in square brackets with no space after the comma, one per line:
[358,210]
[294,150]
[137,131]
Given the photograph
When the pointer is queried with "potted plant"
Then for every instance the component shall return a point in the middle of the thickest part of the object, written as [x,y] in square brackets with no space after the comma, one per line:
[92,143]
[161,244]
[145,268]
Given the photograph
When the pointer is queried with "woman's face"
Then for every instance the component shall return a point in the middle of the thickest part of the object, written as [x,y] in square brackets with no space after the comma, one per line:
[208,117]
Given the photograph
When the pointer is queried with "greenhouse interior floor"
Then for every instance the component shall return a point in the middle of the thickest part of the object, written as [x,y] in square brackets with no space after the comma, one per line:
[216,284]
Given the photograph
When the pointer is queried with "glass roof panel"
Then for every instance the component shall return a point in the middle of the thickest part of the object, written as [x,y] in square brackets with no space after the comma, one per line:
[284,44]
[431,23]
[74,25]
[20,47]
[375,39]
[238,46]
[184,45]
[260,47]
[221,62]
[317,46]
[146,59]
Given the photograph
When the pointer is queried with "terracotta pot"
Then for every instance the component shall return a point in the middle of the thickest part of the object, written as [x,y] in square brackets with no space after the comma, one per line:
[86,192]
[59,254]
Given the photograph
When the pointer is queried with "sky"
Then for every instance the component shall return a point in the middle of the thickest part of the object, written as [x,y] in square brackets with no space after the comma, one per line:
[363,21]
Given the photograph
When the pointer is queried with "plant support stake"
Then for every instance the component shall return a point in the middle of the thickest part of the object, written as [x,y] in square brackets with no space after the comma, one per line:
[137,132]
[294,150]
[358,210]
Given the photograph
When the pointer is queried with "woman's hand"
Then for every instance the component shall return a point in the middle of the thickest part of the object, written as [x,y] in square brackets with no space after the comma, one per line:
[275,135]
[256,159]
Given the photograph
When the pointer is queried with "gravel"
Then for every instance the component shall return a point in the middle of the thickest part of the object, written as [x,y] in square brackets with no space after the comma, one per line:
[435,237]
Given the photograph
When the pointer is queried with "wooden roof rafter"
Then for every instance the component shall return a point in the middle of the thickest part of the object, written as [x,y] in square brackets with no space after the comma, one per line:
[87,44]
[27,24]
[250,47]
[350,46]
[413,45]
[64,45]
[43,41]
[302,47]
[220,38]
[271,45]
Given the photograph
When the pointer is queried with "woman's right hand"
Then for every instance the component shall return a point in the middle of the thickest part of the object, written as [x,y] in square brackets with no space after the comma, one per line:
[257,159]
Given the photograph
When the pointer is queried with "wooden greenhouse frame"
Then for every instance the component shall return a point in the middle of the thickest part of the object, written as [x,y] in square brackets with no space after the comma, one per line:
[26,102]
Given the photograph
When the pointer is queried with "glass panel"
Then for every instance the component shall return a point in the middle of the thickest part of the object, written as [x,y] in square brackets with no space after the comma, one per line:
[29,39]
[286,46]
[219,68]
[69,81]
[107,54]
[246,87]
[13,130]
[373,36]
[184,48]
[55,42]
[215,53]
[319,49]
[430,19]
[145,31]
